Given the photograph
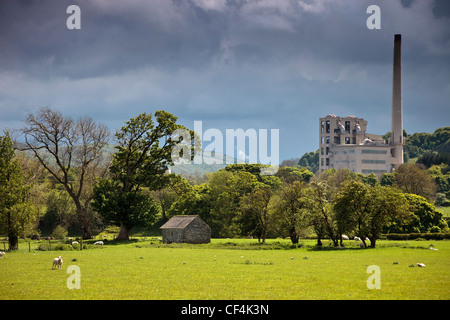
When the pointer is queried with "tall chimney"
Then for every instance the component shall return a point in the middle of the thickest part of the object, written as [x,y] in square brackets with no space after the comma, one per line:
[397,105]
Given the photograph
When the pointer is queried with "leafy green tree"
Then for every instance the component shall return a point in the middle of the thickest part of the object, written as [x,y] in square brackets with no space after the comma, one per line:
[366,210]
[424,217]
[255,206]
[144,152]
[16,212]
[291,174]
[127,209]
[351,207]
[292,204]
[310,161]
[411,179]
[323,217]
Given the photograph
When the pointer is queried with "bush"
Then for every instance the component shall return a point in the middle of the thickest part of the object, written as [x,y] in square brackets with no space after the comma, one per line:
[59,232]
[416,236]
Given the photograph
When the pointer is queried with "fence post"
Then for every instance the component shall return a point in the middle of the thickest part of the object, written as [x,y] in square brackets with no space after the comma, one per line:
[50,243]
[81,244]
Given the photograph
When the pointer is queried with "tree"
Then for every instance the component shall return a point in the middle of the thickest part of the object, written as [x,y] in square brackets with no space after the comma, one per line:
[322,215]
[72,152]
[366,210]
[291,208]
[411,179]
[385,205]
[424,217]
[351,207]
[144,152]
[16,213]
[256,206]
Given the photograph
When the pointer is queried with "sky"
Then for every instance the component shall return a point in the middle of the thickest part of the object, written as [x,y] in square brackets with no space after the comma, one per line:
[250,64]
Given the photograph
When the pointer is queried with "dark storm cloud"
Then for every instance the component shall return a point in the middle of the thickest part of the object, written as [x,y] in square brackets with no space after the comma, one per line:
[232,63]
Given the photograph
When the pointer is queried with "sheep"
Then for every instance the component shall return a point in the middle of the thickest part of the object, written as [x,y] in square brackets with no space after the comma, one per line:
[357,239]
[57,263]
[344,237]
[2,253]
[74,242]
[99,243]
[421,265]
[362,245]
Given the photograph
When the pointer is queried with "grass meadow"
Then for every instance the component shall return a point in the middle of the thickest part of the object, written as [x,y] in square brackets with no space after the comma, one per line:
[229,269]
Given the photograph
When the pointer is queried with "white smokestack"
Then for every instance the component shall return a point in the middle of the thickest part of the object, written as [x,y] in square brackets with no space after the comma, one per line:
[397,105]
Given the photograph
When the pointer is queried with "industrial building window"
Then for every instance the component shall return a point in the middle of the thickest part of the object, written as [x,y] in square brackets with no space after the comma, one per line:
[327,161]
[327,150]
[321,151]
[337,140]
[328,126]
[371,151]
[321,161]
[321,127]
[347,126]
[347,140]
[373,161]
[327,139]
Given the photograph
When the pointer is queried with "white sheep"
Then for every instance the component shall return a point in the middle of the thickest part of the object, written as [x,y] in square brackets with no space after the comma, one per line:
[74,242]
[57,263]
[421,265]
[344,237]
[98,243]
[357,239]
[2,253]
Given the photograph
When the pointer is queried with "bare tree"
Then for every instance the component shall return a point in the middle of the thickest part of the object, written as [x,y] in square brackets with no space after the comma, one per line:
[72,152]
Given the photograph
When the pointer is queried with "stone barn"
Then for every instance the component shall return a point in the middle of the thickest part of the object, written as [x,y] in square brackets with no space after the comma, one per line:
[188,229]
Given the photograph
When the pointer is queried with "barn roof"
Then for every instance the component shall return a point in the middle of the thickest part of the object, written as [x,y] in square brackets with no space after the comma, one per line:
[179,222]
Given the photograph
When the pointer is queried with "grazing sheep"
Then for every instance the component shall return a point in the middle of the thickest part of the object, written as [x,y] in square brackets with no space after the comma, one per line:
[362,245]
[357,239]
[74,242]
[2,253]
[344,237]
[57,263]
[98,243]
[421,265]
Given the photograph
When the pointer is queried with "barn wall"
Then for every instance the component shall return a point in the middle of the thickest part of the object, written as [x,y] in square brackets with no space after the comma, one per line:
[172,235]
[197,232]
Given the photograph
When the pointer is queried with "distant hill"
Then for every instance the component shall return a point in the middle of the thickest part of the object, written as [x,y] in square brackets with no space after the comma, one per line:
[420,143]
[191,169]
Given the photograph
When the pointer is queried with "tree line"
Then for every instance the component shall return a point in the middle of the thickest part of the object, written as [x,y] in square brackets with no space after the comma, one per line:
[63,176]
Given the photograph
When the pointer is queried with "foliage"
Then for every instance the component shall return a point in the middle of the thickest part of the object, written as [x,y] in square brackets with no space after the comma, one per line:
[144,152]
[16,212]
[418,143]
[59,232]
[410,178]
[72,152]
[310,161]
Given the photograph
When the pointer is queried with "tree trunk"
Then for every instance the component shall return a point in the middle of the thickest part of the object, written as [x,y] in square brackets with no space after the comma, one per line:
[13,242]
[124,233]
[293,235]
[87,233]
[319,242]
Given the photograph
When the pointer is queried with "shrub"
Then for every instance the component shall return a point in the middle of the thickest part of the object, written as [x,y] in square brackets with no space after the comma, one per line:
[59,232]
[416,236]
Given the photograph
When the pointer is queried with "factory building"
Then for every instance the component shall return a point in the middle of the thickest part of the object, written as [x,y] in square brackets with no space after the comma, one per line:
[345,144]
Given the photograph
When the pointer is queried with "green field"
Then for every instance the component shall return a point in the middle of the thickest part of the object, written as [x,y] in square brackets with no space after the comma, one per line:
[231,269]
